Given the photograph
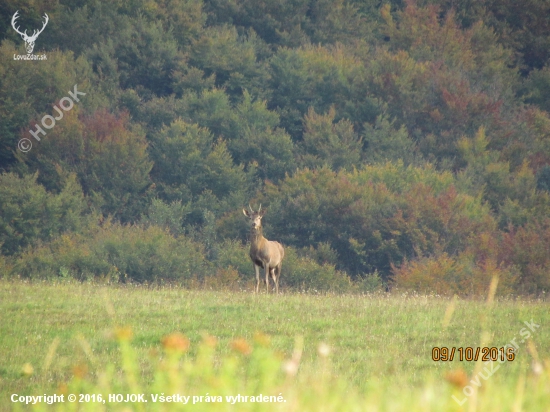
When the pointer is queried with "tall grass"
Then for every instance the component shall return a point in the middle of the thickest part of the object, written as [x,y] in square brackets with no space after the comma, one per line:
[317,352]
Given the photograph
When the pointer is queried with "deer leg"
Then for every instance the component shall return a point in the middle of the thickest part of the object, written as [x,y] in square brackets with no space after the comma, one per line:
[267,277]
[273,273]
[257,269]
[277,276]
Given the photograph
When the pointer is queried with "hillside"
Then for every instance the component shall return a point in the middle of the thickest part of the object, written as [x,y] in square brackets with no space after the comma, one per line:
[399,146]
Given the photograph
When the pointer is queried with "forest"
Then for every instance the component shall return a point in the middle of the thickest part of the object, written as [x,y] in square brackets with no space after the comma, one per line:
[398,145]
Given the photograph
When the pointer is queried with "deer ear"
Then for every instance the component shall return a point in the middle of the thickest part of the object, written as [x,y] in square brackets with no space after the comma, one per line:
[263,212]
[246,213]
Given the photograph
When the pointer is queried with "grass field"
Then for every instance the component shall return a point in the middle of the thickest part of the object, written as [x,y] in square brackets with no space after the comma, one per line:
[359,352]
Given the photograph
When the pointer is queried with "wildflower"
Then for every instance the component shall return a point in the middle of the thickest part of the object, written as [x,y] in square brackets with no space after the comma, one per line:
[262,339]
[241,345]
[124,334]
[457,378]
[323,350]
[210,341]
[175,342]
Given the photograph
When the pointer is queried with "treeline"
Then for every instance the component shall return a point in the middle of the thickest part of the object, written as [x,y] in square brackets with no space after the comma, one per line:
[404,144]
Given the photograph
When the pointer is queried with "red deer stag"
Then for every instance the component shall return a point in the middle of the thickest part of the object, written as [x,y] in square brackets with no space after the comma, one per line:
[264,253]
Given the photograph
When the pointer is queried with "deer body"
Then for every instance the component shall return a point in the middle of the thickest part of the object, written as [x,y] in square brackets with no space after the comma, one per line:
[265,254]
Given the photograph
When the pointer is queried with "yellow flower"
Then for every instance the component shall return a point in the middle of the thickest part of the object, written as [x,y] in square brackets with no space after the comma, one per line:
[124,333]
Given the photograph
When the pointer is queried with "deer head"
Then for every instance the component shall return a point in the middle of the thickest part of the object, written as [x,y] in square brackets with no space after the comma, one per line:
[255,218]
[29,40]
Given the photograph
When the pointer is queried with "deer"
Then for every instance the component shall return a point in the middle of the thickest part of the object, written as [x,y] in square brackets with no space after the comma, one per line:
[29,40]
[265,254]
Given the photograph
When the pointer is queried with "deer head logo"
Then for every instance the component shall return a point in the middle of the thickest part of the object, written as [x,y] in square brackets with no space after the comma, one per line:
[29,40]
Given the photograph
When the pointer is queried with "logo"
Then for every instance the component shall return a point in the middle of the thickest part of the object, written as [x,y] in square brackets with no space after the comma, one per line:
[29,40]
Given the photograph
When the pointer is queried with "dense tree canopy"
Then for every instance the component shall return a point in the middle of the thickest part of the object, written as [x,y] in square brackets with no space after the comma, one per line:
[404,143]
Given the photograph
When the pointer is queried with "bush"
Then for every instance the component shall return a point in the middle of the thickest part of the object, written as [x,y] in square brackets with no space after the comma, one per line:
[28,213]
[232,253]
[119,253]
[304,274]
[371,282]
[527,249]
[449,275]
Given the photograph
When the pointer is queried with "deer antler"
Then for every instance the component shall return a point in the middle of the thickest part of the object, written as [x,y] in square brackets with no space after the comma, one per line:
[35,34]
[260,209]
[250,207]
[14,18]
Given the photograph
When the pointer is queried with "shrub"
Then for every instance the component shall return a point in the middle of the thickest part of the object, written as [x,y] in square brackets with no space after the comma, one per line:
[527,249]
[304,273]
[371,282]
[28,213]
[448,275]
[224,279]
[232,253]
[116,252]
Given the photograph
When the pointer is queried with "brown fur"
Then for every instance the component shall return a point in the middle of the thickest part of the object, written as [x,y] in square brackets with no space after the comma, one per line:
[264,253]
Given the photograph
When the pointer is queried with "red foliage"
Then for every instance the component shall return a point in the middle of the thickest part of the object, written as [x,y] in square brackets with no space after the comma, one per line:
[103,125]
[528,248]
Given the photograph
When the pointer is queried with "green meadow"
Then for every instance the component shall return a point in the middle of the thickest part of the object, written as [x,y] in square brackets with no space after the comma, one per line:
[318,352]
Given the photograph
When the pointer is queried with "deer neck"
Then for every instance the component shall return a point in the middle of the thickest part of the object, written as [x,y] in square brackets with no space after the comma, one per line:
[256,235]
